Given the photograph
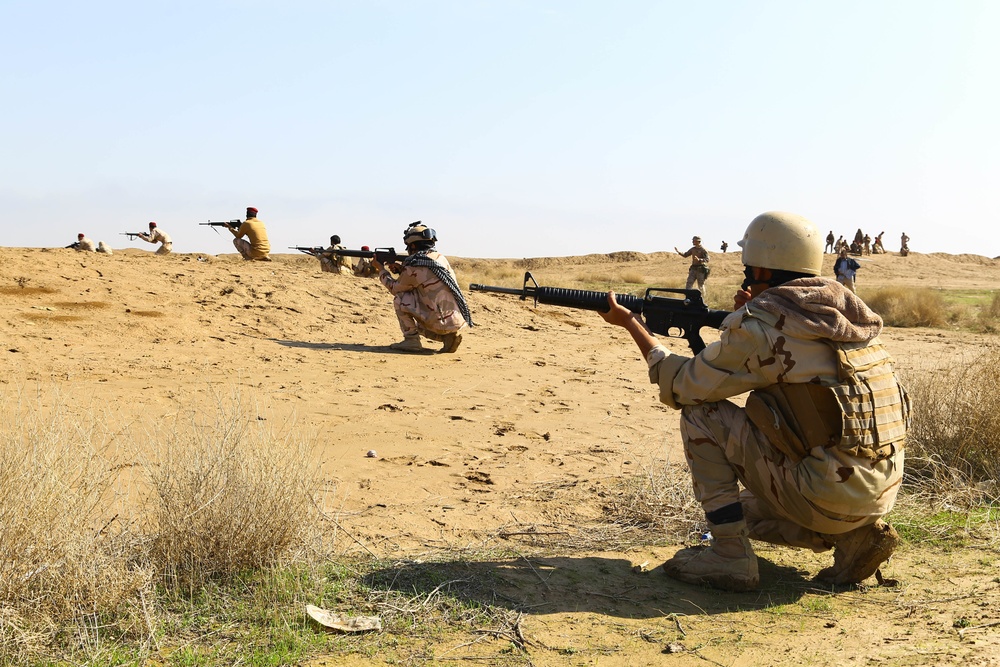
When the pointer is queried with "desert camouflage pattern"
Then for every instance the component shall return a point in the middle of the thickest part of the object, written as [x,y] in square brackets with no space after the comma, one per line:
[698,272]
[365,269]
[158,236]
[331,263]
[818,449]
[423,304]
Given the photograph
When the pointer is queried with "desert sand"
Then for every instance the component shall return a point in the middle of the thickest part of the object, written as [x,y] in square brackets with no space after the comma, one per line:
[524,430]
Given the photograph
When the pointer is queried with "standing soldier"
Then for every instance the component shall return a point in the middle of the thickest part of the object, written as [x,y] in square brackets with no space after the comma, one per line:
[815,459]
[698,273]
[867,244]
[426,296]
[258,247]
[829,242]
[904,247]
[156,235]
[845,269]
[724,247]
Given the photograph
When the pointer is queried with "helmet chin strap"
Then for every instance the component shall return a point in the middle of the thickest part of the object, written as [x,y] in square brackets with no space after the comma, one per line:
[777,277]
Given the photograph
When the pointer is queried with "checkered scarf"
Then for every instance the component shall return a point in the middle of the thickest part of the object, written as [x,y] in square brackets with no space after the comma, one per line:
[420,258]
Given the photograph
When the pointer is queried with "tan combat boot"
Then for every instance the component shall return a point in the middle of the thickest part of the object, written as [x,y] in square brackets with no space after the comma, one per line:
[451,342]
[410,343]
[858,554]
[729,564]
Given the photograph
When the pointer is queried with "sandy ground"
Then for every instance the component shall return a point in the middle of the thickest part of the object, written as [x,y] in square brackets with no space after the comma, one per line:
[522,431]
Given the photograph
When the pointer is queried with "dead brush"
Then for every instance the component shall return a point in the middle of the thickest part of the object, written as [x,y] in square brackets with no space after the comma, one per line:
[908,307]
[988,318]
[487,272]
[63,553]
[956,422]
[227,496]
[661,499]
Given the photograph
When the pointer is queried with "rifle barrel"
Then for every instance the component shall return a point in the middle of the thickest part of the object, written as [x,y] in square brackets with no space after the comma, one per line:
[478,287]
[560,296]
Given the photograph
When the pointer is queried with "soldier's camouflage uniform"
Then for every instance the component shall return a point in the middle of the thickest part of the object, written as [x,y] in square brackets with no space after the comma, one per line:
[156,235]
[698,272]
[819,446]
[333,263]
[423,303]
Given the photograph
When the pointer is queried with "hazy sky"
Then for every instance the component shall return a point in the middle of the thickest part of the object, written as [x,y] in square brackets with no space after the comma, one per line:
[515,128]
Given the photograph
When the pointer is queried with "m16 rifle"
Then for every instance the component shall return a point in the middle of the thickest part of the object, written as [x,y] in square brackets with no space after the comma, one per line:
[383,255]
[673,317]
[231,224]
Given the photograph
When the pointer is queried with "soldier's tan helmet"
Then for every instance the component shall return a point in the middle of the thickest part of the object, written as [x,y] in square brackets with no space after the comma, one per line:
[417,231]
[784,241]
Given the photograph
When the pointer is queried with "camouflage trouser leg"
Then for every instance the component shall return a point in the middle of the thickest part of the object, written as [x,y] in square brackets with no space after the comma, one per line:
[243,246]
[695,277]
[724,449]
[407,309]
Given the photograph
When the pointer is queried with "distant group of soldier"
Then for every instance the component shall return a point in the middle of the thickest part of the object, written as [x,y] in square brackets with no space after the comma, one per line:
[863,244]
[426,297]
[255,246]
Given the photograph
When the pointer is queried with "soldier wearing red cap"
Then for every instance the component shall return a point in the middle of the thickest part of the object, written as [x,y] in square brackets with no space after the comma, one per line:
[364,268]
[157,235]
[83,243]
[257,247]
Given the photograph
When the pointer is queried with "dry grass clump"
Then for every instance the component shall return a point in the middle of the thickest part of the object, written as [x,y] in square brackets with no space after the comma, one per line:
[487,272]
[988,318]
[63,554]
[227,496]
[956,422]
[907,307]
[661,499]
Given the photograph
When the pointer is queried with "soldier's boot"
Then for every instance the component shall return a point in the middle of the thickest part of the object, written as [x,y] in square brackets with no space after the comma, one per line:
[451,342]
[729,564]
[410,343]
[858,554]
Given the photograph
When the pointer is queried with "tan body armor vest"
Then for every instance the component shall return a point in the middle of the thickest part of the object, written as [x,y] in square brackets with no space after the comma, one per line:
[865,414]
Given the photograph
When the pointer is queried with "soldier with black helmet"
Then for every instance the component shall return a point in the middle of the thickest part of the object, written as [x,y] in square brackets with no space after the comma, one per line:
[818,449]
[426,296]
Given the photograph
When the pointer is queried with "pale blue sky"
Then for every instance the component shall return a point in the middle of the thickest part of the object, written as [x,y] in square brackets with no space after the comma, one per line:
[515,128]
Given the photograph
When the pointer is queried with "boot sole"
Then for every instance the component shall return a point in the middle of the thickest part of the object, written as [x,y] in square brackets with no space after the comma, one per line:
[723,582]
